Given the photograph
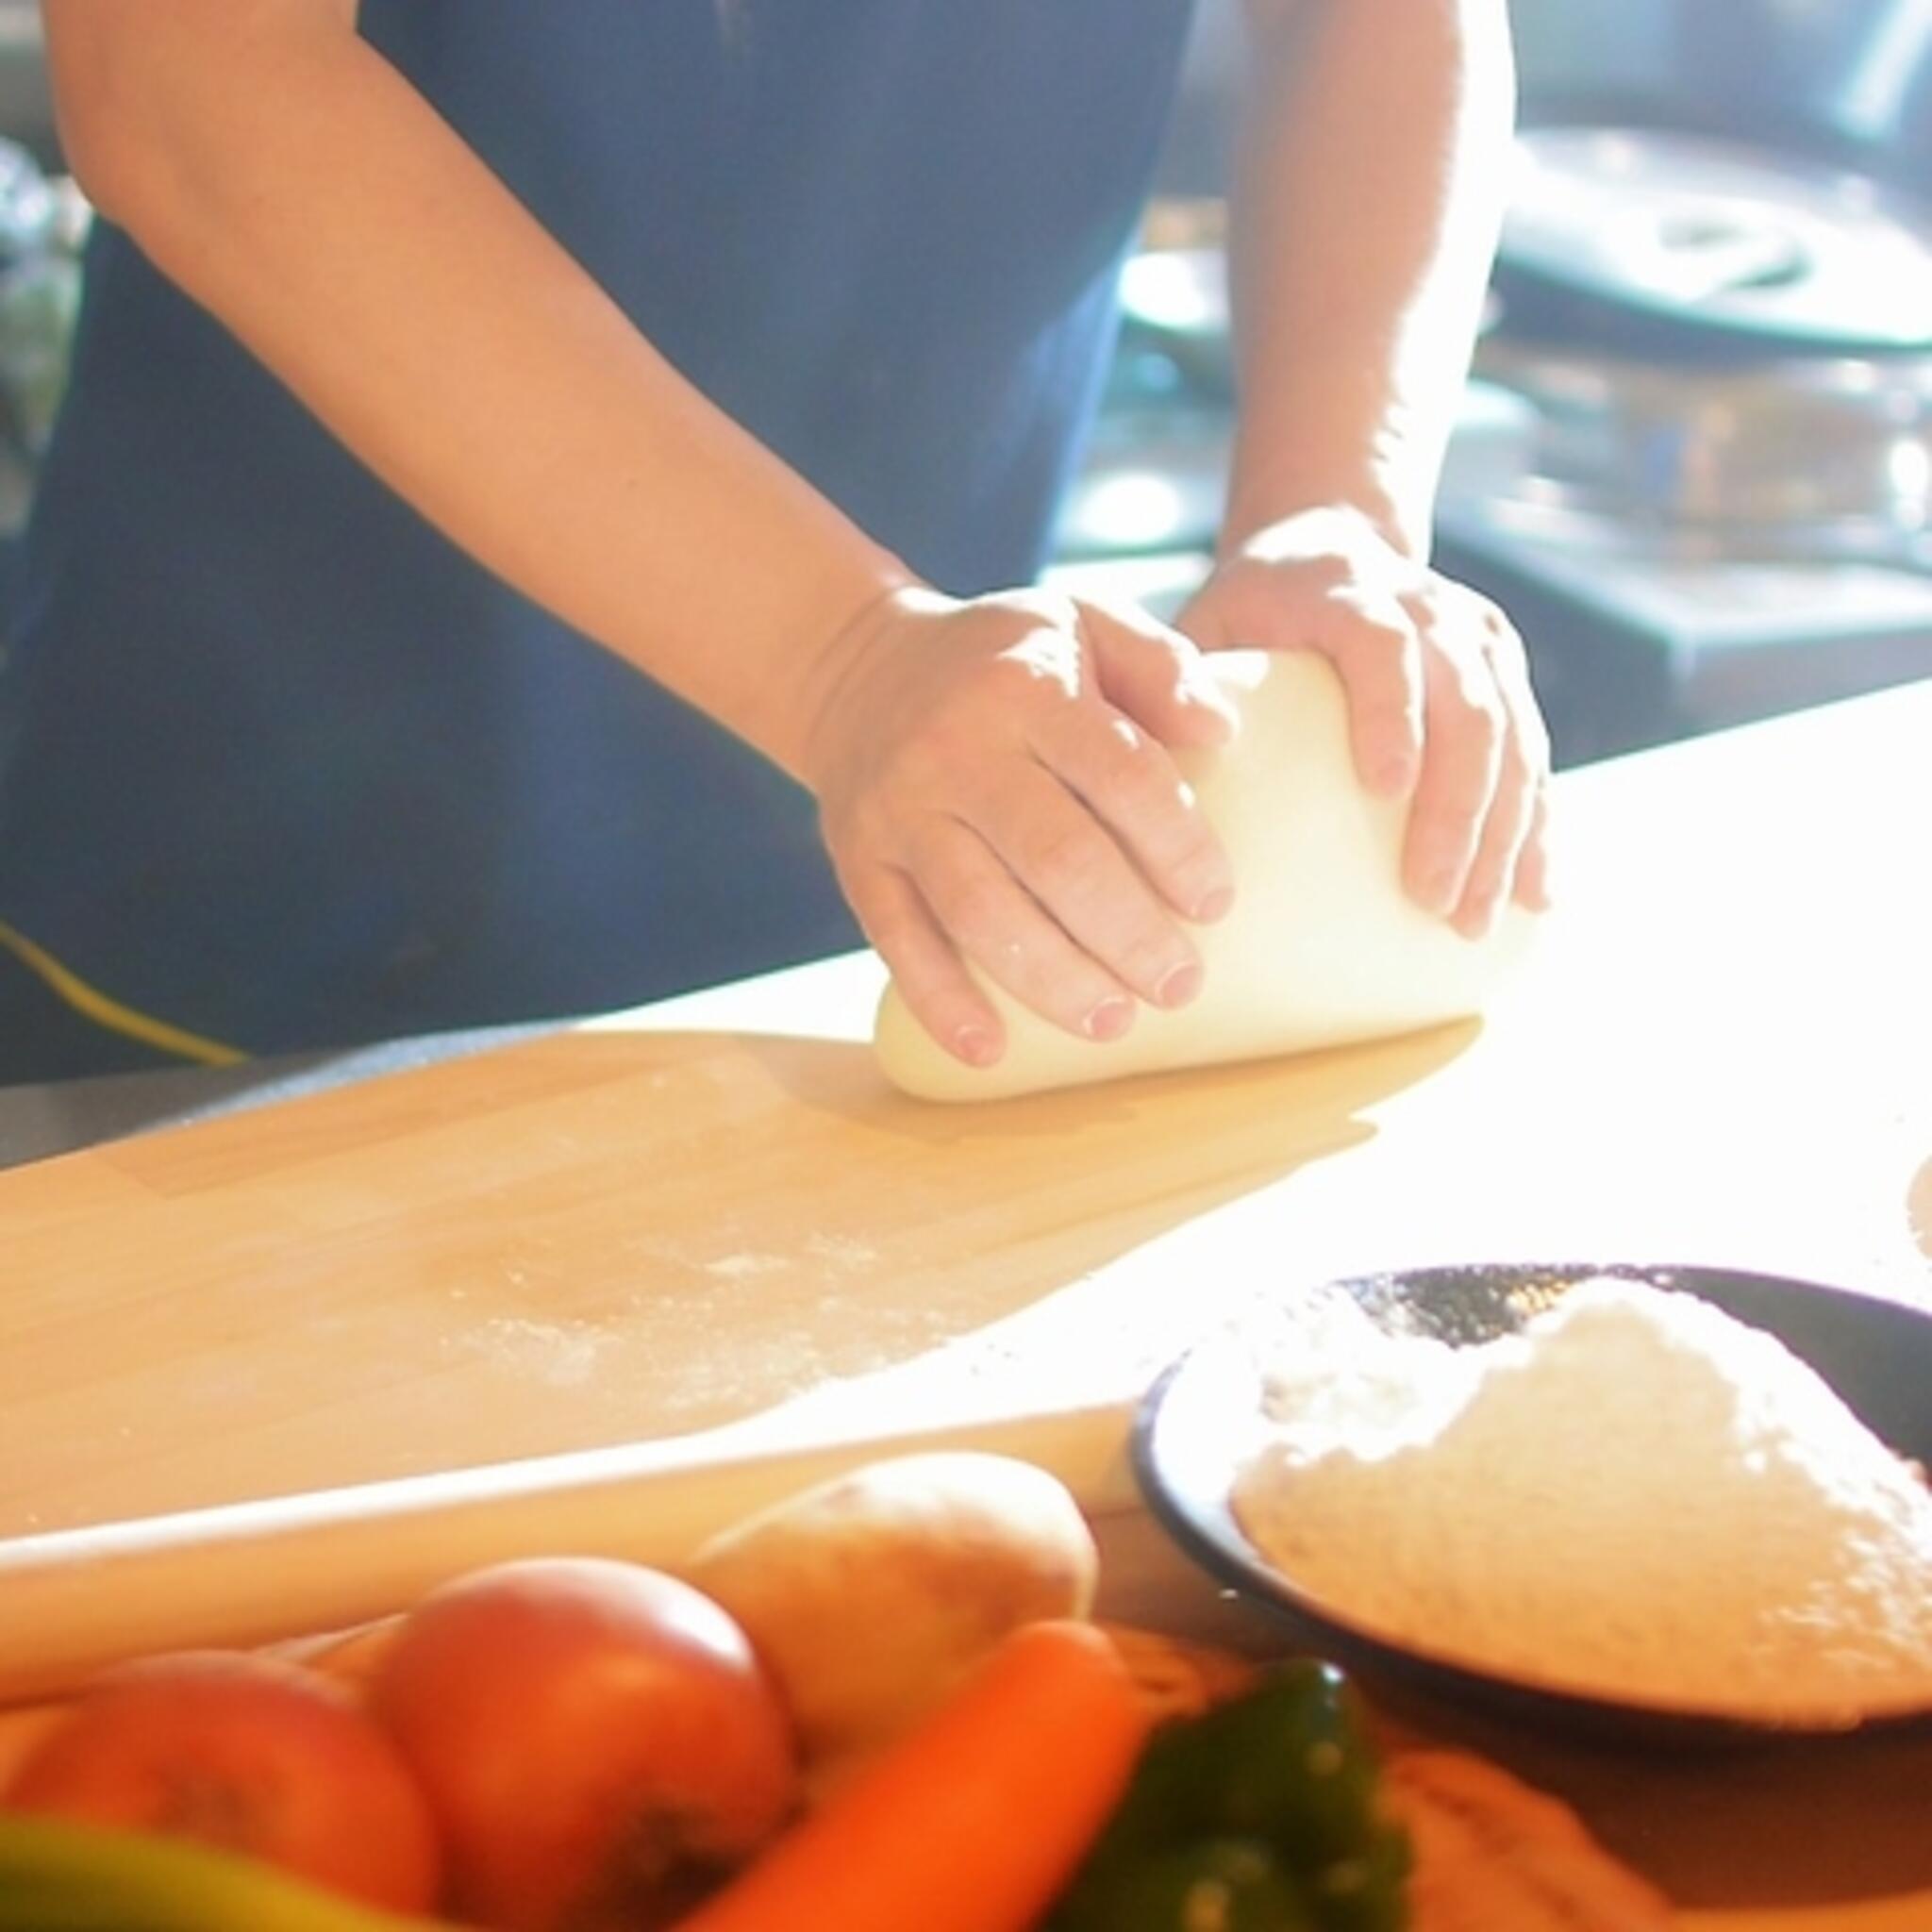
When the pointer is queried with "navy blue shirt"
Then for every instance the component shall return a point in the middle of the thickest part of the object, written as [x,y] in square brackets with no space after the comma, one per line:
[283,768]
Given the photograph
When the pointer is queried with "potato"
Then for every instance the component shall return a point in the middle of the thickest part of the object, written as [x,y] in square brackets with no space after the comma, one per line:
[871,1595]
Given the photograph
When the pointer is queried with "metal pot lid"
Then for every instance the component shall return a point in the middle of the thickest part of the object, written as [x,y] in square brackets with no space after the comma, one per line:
[1716,240]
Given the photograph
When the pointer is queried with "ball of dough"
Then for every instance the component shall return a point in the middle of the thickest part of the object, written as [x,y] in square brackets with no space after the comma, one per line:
[1322,947]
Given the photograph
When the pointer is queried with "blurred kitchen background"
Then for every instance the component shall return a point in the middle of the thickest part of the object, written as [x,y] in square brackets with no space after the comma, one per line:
[1695,460]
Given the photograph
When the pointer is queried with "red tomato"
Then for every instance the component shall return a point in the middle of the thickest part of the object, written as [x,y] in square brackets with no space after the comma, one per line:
[598,1741]
[252,1754]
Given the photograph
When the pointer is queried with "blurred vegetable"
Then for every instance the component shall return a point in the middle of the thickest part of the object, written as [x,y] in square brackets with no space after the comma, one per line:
[1260,1809]
[247,1754]
[975,1820]
[81,1878]
[870,1596]
[598,1740]
[21,1727]
[1229,1884]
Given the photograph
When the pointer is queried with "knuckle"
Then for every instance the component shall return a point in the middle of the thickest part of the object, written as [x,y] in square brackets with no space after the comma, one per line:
[1128,774]
[1481,716]
[1503,640]
[906,764]
[1382,633]
[879,824]
[973,910]
[964,896]
[1327,573]
[1036,608]
[892,938]
[1065,861]
[944,735]
[1034,680]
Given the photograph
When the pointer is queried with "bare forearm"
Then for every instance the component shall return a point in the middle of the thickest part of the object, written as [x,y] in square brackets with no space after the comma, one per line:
[296,186]
[1370,187]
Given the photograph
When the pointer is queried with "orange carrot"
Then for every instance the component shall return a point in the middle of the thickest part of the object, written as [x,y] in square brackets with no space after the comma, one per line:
[975,1820]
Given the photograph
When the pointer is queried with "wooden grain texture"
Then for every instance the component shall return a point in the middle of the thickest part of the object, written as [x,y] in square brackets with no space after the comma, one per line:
[1723,1052]
[595,1237]
[718,1218]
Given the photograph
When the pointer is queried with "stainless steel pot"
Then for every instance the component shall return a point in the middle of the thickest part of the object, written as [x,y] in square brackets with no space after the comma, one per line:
[1785,458]
[1728,348]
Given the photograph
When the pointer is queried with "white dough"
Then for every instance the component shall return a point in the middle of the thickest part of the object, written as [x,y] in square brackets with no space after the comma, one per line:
[1323,946]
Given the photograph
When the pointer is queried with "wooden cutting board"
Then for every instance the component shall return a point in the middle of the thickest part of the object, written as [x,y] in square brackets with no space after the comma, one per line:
[581,1240]
[715,1227]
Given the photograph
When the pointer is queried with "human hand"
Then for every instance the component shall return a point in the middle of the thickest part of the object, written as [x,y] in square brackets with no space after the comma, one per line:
[1439,698]
[994,784]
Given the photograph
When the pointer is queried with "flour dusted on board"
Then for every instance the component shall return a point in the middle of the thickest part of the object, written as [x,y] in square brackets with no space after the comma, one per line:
[1635,1496]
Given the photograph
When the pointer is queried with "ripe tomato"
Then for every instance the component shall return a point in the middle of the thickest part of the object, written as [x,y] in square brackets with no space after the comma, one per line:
[598,1741]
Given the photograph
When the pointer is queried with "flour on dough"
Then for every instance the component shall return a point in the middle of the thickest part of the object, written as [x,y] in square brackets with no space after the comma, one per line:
[1322,947]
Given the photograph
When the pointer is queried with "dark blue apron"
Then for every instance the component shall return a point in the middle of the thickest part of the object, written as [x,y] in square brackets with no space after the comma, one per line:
[280,768]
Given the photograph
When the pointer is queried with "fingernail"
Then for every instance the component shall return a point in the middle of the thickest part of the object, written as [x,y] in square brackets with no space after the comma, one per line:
[1214,903]
[1109,1019]
[1180,986]
[976,1047]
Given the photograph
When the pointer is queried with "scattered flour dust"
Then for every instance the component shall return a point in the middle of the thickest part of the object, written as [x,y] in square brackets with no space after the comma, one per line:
[1635,1496]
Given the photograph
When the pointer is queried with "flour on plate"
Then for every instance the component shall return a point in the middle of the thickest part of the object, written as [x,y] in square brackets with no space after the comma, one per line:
[1635,1496]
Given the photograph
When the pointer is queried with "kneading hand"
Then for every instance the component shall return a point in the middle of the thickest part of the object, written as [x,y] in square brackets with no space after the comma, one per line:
[994,784]
[1438,694]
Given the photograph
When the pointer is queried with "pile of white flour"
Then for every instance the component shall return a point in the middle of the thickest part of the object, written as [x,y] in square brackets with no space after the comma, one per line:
[1636,1497]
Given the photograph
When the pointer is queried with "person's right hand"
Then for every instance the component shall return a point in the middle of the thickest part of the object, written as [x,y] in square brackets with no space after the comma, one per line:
[994,785]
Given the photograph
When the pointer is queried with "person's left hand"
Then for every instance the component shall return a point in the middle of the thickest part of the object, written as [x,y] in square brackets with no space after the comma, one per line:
[1439,697]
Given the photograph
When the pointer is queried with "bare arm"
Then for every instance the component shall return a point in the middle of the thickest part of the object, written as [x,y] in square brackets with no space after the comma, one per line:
[1374,140]
[992,777]
[1368,193]
[286,176]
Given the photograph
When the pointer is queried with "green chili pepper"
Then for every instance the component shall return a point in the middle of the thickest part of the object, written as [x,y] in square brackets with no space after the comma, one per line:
[1288,1762]
[1366,1890]
[1279,1784]
[1211,1885]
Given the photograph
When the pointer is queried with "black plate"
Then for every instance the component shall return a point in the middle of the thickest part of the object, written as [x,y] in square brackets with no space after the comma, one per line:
[1195,1424]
